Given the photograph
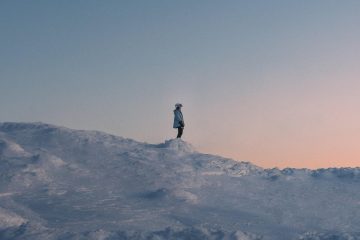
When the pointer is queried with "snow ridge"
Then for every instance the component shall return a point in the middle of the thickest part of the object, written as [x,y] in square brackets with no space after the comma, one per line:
[59,183]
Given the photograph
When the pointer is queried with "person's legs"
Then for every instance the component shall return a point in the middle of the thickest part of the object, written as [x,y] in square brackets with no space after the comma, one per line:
[180,132]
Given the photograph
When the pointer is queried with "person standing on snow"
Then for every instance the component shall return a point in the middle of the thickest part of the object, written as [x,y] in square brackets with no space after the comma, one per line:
[178,120]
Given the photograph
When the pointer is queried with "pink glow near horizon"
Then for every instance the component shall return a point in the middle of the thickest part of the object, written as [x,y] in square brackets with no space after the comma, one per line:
[315,127]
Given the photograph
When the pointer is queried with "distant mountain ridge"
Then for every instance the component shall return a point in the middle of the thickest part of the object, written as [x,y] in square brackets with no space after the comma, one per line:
[58,183]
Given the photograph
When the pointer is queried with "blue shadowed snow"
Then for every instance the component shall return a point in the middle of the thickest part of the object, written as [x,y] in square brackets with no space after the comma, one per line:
[59,183]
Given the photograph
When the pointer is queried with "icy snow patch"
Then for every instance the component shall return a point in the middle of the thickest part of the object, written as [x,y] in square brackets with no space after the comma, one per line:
[11,149]
[56,161]
[10,219]
[177,145]
[186,196]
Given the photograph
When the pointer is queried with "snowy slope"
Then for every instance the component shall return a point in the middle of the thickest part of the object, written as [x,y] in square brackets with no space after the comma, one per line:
[59,183]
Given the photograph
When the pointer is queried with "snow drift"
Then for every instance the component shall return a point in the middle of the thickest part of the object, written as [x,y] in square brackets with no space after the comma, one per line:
[59,183]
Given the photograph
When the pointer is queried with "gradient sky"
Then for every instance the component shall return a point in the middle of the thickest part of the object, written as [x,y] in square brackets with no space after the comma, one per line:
[274,82]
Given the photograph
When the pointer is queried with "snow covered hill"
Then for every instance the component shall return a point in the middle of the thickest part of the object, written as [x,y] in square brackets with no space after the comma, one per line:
[59,183]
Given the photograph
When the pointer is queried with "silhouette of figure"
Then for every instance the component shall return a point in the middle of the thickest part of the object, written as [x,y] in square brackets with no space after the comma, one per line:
[178,120]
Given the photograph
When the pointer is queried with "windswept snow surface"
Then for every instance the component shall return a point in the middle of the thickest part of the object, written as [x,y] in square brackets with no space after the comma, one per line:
[58,183]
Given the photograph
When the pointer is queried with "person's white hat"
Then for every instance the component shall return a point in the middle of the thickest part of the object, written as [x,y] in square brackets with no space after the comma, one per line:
[178,105]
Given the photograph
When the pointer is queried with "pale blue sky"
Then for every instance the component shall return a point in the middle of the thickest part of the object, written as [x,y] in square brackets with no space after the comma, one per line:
[259,80]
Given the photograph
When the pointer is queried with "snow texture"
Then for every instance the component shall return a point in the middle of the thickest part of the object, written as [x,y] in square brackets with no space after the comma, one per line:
[59,183]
